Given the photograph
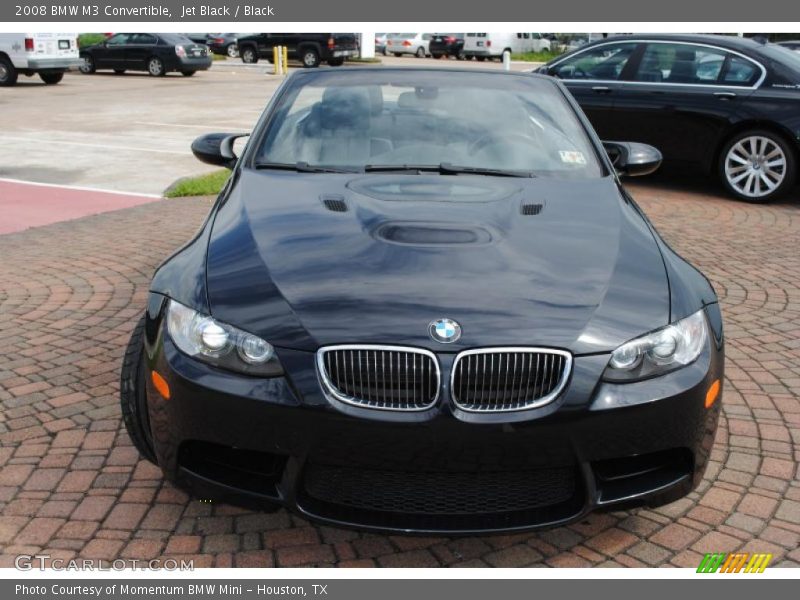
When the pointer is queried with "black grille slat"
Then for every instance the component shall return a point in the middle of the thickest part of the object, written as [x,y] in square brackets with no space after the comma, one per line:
[507,379]
[439,493]
[381,378]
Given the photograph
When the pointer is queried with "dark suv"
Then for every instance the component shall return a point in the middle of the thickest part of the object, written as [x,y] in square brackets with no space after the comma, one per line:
[447,44]
[310,48]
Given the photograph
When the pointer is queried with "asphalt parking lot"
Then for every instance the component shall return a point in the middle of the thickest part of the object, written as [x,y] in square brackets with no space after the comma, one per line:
[72,485]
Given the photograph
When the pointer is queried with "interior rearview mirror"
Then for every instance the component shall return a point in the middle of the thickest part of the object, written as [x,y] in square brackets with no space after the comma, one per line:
[633,159]
[217,148]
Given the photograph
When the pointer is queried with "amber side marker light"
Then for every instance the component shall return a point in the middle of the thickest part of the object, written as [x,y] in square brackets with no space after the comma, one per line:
[163,387]
[712,393]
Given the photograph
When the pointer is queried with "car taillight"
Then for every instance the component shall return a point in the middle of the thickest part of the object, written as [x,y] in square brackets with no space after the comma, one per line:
[331,42]
[218,40]
[28,44]
[450,39]
[180,51]
[488,43]
[406,43]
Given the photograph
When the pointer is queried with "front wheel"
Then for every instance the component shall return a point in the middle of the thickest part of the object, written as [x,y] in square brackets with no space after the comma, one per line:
[8,74]
[757,166]
[249,55]
[87,66]
[132,396]
[51,78]
[310,58]
[232,51]
[155,66]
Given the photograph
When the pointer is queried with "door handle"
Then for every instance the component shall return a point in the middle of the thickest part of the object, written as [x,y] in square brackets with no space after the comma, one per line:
[601,89]
[725,95]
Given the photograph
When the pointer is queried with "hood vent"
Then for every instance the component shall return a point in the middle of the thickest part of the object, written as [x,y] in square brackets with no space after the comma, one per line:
[530,209]
[334,203]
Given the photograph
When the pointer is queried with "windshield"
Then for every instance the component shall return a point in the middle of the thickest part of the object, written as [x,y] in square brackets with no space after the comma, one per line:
[361,120]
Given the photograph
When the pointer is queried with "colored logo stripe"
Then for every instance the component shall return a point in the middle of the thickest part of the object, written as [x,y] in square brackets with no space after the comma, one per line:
[734,563]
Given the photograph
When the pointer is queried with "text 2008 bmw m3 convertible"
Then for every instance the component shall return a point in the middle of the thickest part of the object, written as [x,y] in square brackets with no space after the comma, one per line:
[423,302]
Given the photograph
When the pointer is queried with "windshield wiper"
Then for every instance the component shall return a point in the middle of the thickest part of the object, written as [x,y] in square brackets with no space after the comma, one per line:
[451,169]
[400,168]
[446,168]
[302,167]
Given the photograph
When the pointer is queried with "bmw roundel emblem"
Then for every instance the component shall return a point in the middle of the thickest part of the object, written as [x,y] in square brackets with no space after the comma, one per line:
[445,331]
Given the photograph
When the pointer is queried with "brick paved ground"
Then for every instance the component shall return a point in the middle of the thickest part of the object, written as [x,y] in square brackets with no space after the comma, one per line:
[72,485]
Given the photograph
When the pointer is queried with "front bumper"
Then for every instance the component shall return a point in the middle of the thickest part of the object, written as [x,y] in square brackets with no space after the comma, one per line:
[261,442]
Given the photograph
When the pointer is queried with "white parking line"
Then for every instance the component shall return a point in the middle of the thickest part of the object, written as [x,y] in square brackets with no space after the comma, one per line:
[89,145]
[80,188]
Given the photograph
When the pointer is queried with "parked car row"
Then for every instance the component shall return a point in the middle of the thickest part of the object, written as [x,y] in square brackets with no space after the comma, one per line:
[480,46]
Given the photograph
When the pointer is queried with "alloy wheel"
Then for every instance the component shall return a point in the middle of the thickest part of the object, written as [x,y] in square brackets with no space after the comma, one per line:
[233,51]
[3,73]
[86,65]
[755,166]
[155,67]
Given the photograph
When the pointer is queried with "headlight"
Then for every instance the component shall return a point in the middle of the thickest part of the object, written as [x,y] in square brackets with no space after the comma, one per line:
[659,352]
[220,344]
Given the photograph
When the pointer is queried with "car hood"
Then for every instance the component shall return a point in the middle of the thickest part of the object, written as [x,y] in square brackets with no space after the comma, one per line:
[306,260]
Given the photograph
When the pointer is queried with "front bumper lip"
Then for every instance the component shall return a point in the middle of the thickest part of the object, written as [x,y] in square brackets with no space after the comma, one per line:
[290,417]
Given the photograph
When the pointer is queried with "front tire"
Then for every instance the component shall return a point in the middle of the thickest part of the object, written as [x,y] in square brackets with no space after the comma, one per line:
[310,58]
[757,166]
[51,78]
[420,52]
[249,55]
[132,396]
[155,66]
[8,74]
[87,66]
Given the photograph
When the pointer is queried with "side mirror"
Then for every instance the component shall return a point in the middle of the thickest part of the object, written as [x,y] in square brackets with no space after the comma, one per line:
[632,158]
[217,148]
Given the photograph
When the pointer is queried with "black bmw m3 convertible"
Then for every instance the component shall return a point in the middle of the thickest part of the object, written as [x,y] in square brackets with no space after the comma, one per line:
[424,302]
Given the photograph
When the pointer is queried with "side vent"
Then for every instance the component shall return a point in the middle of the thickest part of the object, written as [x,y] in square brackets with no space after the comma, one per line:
[529,209]
[334,203]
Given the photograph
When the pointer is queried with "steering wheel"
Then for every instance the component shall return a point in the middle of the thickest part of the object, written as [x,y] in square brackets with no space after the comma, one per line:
[497,138]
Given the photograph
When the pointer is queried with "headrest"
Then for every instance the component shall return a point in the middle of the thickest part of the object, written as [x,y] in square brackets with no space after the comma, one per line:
[345,107]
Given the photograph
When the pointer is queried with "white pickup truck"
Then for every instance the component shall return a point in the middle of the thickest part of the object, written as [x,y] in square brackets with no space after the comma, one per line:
[49,55]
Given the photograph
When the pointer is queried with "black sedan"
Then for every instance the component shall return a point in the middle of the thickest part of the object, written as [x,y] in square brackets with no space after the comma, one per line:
[155,53]
[724,105]
[447,44]
[407,314]
[224,44]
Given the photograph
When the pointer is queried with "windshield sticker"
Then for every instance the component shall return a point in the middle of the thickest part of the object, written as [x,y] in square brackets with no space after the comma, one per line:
[572,157]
